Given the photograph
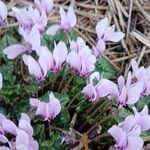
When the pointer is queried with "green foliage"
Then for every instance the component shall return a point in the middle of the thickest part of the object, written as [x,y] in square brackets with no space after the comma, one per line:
[123,113]
[105,69]
[142,102]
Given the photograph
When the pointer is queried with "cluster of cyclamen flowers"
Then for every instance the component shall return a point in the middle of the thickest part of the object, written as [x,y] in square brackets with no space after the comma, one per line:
[124,91]
[127,133]
[21,134]
[81,59]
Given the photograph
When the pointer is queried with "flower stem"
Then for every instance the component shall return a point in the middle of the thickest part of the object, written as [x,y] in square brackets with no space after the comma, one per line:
[37,89]
[62,81]
[67,84]
[54,81]
[72,100]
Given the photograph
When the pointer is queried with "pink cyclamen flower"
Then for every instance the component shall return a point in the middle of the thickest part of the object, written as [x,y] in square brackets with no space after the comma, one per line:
[28,18]
[3,13]
[139,118]
[77,45]
[90,89]
[68,21]
[127,140]
[105,33]
[80,59]
[102,88]
[48,110]
[32,42]
[127,94]
[142,74]
[35,67]
[45,5]
[53,61]
[23,134]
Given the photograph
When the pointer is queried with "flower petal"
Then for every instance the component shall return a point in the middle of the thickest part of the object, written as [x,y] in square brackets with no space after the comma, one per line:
[134,143]
[52,30]
[71,17]
[60,53]
[13,51]
[9,126]
[1,80]
[101,27]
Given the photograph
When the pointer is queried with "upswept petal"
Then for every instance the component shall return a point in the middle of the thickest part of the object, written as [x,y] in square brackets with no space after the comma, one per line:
[13,51]
[60,53]
[3,10]
[90,91]
[24,125]
[22,139]
[63,16]
[121,82]
[34,39]
[101,27]
[109,32]
[33,66]
[71,17]
[34,102]
[9,126]
[116,132]
[116,37]
[1,80]
[134,143]
[101,46]
[52,30]
[133,96]
[74,61]
[90,63]
[54,104]
[41,109]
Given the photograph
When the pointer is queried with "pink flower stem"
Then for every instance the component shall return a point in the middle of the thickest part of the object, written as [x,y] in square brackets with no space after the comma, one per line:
[42,87]
[72,100]
[67,84]
[54,81]
[37,89]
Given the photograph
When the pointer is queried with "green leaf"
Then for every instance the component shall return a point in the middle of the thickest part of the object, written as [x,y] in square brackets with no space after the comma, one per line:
[105,69]
[62,36]
[64,116]
[73,35]
[142,102]
[39,132]
[123,113]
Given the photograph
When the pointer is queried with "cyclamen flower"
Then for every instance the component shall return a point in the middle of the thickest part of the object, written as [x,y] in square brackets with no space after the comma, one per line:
[31,42]
[45,5]
[68,21]
[127,94]
[48,110]
[34,67]
[104,87]
[53,61]
[28,18]
[23,134]
[3,13]
[81,60]
[105,33]
[142,74]
[77,45]
[128,138]
[140,118]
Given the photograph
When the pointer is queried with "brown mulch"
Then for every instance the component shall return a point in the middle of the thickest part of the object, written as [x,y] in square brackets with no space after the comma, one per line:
[130,16]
